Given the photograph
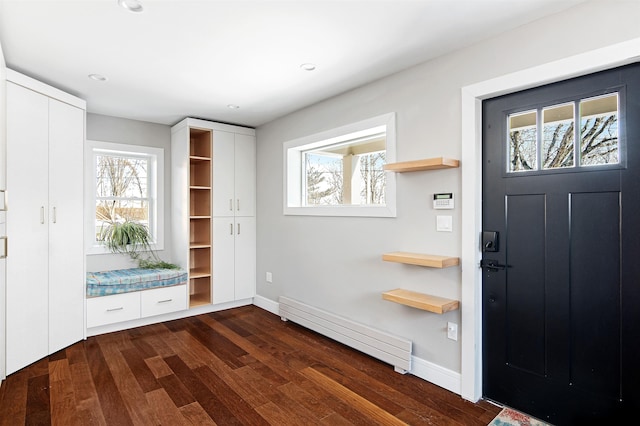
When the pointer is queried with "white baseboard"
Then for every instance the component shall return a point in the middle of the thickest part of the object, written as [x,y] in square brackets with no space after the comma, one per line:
[267,304]
[433,373]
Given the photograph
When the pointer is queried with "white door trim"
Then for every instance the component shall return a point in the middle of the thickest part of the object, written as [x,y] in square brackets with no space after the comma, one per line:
[472,96]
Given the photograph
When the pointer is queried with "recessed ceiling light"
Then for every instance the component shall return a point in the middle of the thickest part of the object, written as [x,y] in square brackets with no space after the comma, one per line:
[97,77]
[308,66]
[233,106]
[131,5]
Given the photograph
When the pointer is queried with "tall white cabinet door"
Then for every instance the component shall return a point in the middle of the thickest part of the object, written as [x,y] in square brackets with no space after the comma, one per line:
[245,175]
[224,230]
[66,254]
[224,202]
[245,257]
[27,221]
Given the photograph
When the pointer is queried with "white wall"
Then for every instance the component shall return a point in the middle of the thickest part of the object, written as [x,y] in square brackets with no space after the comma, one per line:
[120,130]
[334,263]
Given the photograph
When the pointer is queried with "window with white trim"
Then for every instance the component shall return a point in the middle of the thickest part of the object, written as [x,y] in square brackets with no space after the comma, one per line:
[340,172]
[126,184]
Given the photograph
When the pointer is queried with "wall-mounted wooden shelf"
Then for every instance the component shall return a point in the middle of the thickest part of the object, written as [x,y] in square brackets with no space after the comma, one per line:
[430,260]
[426,164]
[427,302]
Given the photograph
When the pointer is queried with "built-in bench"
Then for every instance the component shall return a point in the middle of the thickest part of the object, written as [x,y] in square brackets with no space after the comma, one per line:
[128,294]
[118,281]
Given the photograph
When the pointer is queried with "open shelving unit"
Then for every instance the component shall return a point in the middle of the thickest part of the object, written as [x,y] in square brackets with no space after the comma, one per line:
[427,302]
[200,150]
[421,165]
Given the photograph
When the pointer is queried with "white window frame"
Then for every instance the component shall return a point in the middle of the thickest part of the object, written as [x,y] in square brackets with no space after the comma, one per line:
[155,185]
[293,169]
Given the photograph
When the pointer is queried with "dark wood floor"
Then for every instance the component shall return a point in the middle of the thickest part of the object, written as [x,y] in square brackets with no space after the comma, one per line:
[240,366]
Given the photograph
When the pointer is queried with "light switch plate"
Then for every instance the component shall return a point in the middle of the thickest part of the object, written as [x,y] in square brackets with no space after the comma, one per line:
[444,223]
[452,331]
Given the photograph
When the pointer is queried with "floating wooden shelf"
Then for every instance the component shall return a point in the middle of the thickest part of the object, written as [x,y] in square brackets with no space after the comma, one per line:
[427,302]
[426,164]
[430,260]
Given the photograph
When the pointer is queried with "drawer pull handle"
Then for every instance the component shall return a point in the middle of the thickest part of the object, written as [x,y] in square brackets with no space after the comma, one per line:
[115,309]
[165,301]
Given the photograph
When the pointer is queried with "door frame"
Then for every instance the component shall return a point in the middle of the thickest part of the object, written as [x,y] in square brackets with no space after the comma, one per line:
[471,162]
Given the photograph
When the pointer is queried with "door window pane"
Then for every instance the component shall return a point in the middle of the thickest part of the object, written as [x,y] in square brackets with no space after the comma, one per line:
[599,142]
[558,127]
[523,137]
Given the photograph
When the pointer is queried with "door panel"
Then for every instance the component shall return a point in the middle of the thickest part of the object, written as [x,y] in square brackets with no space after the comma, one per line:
[561,320]
[525,324]
[245,257]
[223,173]
[245,175]
[595,313]
[66,266]
[27,229]
[223,259]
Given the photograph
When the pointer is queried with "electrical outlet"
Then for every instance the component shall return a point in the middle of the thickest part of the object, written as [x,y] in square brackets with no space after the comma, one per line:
[269,277]
[452,331]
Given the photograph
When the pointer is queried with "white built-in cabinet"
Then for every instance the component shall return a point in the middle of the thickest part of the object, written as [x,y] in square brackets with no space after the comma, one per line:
[213,215]
[234,222]
[45,261]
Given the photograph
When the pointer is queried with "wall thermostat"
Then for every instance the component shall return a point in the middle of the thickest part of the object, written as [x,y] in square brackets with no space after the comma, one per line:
[443,201]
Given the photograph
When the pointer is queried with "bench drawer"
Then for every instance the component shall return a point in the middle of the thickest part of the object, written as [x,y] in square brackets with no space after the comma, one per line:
[163,300]
[110,309]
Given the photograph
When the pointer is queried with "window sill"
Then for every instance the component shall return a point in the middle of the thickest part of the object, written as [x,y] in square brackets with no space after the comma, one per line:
[100,249]
[342,211]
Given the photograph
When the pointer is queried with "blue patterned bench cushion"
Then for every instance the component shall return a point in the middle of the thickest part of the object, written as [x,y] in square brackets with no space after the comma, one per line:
[134,279]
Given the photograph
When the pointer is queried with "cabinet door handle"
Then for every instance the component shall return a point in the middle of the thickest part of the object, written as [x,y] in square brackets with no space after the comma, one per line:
[231,229]
[4,245]
[165,301]
[238,229]
[115,309]
[230,204]
[42,215]
[238,204]
[54,215]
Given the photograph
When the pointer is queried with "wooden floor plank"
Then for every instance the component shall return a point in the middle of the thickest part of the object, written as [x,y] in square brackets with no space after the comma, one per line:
[140,370]
[128,386]
[166,412]
[227,395]
[178,393]
[371,411]
[238,366]
[13,398]
[110,398]
[196,415]
[38,401]
[158,367]
[207,400]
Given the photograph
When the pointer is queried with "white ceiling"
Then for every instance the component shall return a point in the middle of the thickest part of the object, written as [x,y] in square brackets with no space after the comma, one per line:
[182,58]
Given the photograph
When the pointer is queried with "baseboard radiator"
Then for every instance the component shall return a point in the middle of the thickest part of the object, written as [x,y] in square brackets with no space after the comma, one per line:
[386,347]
